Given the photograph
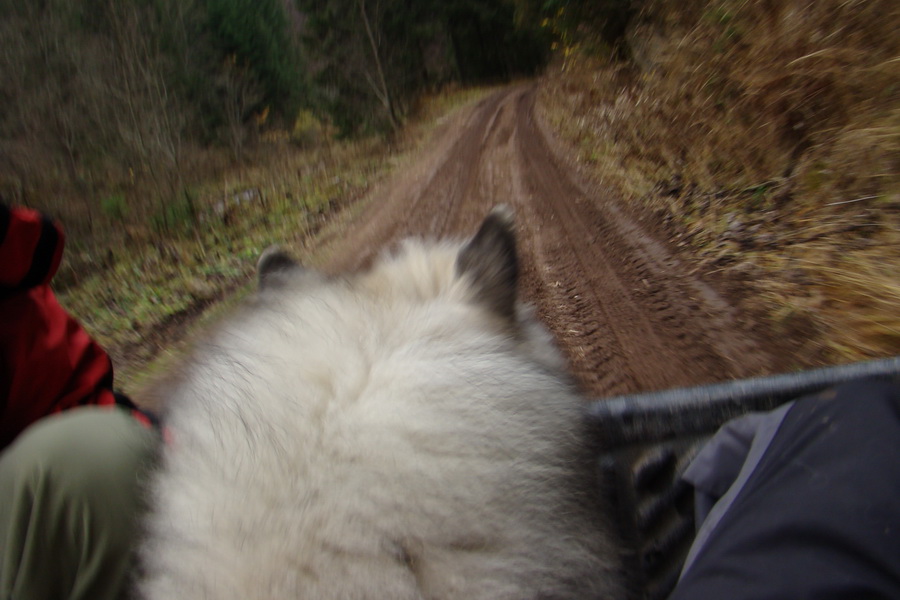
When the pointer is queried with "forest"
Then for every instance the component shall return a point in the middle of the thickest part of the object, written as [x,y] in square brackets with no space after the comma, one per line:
[101,94]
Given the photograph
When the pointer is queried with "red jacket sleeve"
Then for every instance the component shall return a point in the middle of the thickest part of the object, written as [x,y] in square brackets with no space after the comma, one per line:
[48,363]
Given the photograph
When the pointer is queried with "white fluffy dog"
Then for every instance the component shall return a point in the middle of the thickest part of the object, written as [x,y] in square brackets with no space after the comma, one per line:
[403,433]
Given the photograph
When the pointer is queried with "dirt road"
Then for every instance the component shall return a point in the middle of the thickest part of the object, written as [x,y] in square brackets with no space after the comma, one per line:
[622,306]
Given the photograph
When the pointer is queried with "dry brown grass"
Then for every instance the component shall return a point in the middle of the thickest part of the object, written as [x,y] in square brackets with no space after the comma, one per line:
[771,131]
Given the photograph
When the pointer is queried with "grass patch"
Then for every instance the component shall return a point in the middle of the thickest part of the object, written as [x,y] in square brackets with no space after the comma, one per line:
[138,284]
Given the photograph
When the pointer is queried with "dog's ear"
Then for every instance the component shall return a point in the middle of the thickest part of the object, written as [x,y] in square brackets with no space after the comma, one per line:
[274,267]
[489,259]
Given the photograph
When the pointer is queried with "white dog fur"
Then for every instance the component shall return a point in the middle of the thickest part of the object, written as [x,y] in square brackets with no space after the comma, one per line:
[403,433]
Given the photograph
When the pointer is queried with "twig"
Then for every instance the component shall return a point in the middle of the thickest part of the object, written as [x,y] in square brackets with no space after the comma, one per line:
[849,201]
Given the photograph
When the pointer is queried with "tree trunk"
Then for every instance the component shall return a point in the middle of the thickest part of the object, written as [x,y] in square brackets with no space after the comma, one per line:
[385,93]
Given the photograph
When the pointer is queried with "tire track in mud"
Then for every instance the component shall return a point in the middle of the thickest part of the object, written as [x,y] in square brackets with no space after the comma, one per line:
[425,199]
[637,321]
[625,310]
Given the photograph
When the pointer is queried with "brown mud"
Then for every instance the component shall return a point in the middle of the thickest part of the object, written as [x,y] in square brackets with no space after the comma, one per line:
[625,308]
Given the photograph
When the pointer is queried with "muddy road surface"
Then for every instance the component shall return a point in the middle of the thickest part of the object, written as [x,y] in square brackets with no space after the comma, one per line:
[624,308]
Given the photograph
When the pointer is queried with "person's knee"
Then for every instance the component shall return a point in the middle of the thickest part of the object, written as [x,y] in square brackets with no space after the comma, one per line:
[84,451]
[72,490]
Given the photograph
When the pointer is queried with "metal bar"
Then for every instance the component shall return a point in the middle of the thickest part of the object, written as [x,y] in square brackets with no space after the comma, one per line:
[667,414]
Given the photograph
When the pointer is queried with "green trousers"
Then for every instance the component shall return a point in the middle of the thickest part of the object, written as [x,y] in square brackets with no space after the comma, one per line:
[71,489]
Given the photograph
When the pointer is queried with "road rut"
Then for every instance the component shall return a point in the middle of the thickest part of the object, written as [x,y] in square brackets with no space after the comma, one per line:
[624,308]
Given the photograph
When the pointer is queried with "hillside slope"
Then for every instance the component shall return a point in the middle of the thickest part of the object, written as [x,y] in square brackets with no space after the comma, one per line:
[767,135]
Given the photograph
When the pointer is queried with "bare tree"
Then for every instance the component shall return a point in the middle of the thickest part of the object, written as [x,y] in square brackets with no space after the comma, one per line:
[381,89]
[240,94]
[152,119]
